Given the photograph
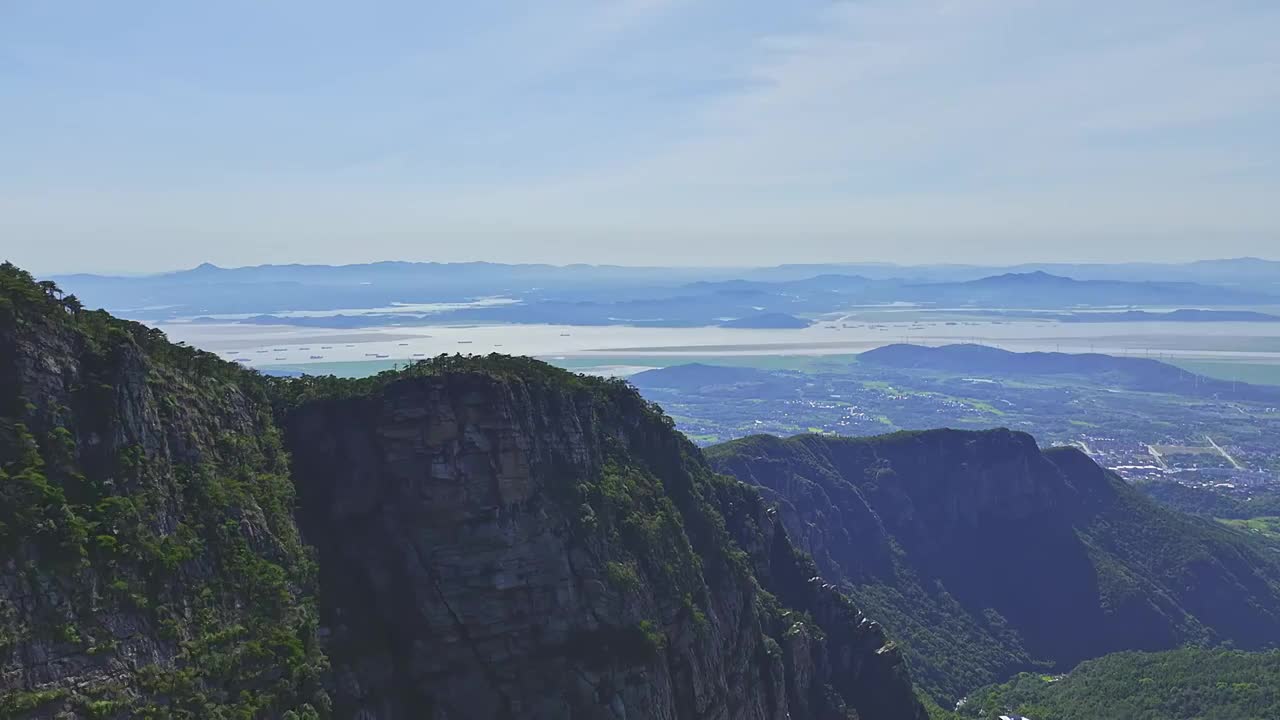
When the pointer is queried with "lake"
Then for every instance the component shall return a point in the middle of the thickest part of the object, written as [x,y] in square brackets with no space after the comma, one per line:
[367,350]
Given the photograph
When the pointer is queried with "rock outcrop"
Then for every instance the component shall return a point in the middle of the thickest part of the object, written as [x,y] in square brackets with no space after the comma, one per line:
[507,540]
[149,563]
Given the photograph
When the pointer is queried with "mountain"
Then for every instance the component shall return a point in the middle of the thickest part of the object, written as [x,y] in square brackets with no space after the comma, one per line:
[714,383]
[1246,273]
[822,282]
[149,562]
[384,293]
[1041,289]
[470,537]
[265,289]
[986,556]
[1184,684]
[833,291]
[554,533]
[1132,373]
[694,377]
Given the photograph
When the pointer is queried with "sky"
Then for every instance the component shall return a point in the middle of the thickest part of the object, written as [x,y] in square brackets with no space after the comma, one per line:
[144,136]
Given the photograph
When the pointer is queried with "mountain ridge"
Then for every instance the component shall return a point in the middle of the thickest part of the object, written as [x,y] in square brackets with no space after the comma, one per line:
[487,536]
[988,535]
[581,294]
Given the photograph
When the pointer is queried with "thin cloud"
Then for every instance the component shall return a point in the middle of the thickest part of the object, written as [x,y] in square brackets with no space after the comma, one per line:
[877,129]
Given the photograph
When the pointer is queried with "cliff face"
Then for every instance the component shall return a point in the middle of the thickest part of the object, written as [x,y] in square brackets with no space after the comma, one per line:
[517,542]
[495,538]
[987,556]
[148,560]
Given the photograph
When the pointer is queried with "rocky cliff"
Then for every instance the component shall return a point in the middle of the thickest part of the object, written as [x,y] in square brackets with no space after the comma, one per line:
[485,538]
[987,556]
[149,563]
[501,539]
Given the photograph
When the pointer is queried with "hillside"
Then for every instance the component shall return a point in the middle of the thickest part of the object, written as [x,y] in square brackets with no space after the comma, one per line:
[484,537]
[1132,373]
[149,563]
[1183,684]
[1210,503]
[987,556]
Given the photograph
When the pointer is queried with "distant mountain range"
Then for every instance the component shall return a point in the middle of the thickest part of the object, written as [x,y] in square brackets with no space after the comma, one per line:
[599,295]
[1245,272]
[1041,289]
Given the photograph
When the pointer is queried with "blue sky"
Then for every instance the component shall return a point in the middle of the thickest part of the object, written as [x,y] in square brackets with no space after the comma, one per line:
[145,136]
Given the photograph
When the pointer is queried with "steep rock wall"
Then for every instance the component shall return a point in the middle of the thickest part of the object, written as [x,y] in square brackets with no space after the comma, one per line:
[518,547]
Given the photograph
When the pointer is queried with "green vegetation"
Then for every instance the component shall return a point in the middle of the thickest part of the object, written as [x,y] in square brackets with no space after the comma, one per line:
[950,650]
[151,490]
[1185,684]
[290,392]
[936,534]
[1267,527]
[1208,503]
[629,506]
[637,644]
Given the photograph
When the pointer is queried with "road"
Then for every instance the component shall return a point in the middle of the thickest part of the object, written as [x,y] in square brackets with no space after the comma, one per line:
[1224,454]
[1158,457]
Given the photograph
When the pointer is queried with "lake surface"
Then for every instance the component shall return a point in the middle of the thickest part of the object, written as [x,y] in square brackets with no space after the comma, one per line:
[368,350]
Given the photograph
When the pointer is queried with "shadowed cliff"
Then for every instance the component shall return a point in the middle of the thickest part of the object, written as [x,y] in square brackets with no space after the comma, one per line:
[986,555]
[501,539]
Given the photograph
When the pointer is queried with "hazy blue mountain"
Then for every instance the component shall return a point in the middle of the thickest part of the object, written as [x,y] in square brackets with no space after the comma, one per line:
[1041,289]
[1247,272]
[267,288]
[695,376]
[1129,372]
[595,294]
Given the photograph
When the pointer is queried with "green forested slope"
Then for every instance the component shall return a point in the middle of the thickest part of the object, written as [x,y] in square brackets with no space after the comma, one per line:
[986,556]
[149,563]
[1183,684]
